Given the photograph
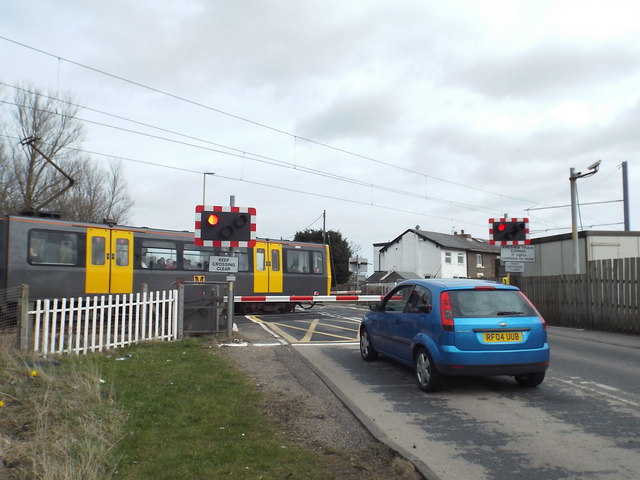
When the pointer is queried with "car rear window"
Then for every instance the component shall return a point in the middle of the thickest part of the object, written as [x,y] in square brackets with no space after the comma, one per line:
[489,303]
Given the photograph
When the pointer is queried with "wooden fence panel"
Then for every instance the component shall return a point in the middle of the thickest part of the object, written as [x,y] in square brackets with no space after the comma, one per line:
[604,298]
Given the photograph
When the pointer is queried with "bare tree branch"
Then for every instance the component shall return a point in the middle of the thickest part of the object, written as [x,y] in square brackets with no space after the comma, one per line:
[27,179]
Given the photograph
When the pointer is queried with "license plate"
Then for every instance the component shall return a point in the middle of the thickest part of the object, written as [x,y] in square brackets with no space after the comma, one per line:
[494,337]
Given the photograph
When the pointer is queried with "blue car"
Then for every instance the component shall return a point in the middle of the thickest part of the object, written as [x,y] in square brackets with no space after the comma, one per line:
[458,327]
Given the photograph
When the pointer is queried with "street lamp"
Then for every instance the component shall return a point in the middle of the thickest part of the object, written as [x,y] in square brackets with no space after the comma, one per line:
[204,184]
[573,178]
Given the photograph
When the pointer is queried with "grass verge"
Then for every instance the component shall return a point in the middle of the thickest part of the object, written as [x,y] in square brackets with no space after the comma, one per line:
[55,420]
[192,415]
[162,410]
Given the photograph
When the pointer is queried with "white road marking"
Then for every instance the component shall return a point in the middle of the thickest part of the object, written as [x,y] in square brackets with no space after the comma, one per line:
[596,388]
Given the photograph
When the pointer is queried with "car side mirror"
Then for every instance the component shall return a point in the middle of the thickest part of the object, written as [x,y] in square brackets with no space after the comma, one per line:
[374,307]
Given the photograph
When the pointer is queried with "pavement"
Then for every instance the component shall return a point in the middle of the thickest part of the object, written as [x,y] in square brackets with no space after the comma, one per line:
[386,431]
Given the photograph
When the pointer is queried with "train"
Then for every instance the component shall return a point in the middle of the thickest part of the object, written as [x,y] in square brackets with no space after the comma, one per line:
[64,258]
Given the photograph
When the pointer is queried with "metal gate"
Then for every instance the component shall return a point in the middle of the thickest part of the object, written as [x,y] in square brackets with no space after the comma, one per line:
[205,311]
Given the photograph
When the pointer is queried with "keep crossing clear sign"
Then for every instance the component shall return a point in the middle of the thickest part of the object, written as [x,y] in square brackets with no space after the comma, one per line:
[223,264]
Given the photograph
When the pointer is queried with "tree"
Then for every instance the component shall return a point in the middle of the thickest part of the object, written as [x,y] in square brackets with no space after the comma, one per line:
[339,248]
[97,196]
[28,179]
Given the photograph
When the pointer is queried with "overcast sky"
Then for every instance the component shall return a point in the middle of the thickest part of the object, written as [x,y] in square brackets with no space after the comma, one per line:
[384,114]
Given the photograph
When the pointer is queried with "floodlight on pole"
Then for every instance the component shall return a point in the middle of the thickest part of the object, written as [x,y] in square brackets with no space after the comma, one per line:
[204,185]
[573,178]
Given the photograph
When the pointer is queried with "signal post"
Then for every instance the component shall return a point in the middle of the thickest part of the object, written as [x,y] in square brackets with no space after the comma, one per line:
[226,226]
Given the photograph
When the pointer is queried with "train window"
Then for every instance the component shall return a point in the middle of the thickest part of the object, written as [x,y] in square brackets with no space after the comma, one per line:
[243,261]
[194,259]
[260,260]
[316,259]
[54,248]
[122,252]
[298,261]
[275,260]
[98,252]
[241,252]
[158,255]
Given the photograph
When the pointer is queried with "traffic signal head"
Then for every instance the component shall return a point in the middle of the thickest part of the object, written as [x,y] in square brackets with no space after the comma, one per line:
[509,232]
[225,227]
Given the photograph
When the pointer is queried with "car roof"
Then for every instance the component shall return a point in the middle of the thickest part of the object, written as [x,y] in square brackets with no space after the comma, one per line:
[457,283]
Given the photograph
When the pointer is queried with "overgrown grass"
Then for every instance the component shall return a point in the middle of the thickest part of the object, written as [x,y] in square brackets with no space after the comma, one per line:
[55,420]
[175,410]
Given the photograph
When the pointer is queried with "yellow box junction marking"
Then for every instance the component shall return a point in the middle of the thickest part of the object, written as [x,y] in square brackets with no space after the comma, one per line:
[310,331]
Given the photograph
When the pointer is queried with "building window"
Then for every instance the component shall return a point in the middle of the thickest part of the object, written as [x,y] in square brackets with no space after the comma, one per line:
[479,261]
[447,258]
[460,258]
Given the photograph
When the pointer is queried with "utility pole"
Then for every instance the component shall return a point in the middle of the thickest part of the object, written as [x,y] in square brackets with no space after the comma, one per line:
[204,185]
[231,279]
[625,196]
[573,178]
[324,227]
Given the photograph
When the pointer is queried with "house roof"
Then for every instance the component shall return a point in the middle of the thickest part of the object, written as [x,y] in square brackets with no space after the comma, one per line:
[455,242]
[392,276]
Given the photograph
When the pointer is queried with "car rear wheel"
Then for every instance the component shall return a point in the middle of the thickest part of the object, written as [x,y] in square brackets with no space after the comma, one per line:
[428,378]
[530,379]
[366,348]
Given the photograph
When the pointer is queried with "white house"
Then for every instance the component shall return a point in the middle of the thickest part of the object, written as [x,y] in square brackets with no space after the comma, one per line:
[437,255]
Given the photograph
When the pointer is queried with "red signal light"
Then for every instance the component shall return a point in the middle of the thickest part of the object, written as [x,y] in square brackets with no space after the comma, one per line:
[213,219]
[502,227]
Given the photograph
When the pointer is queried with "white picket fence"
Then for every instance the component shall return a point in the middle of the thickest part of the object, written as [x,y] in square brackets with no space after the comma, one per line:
[88,324]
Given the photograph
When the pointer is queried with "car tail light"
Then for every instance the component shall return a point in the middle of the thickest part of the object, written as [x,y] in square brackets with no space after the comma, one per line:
[484,288]
[544,324]
[446,312]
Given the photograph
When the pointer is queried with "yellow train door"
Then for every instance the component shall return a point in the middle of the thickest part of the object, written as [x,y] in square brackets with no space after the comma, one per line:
[267,267]
[109,261]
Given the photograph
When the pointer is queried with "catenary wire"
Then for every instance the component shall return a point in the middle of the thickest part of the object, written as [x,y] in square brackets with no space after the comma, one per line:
[274,162]
[262,184]
[247,120]
[304,192]
[195,103]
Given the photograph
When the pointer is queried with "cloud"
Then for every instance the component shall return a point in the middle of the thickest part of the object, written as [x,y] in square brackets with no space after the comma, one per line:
[502,98]
[546,70]
[353,115]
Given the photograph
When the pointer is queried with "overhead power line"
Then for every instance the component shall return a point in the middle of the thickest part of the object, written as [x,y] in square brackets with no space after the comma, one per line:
[253,122]
[584,227]
[263,184]
[569,205]
[259,158]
